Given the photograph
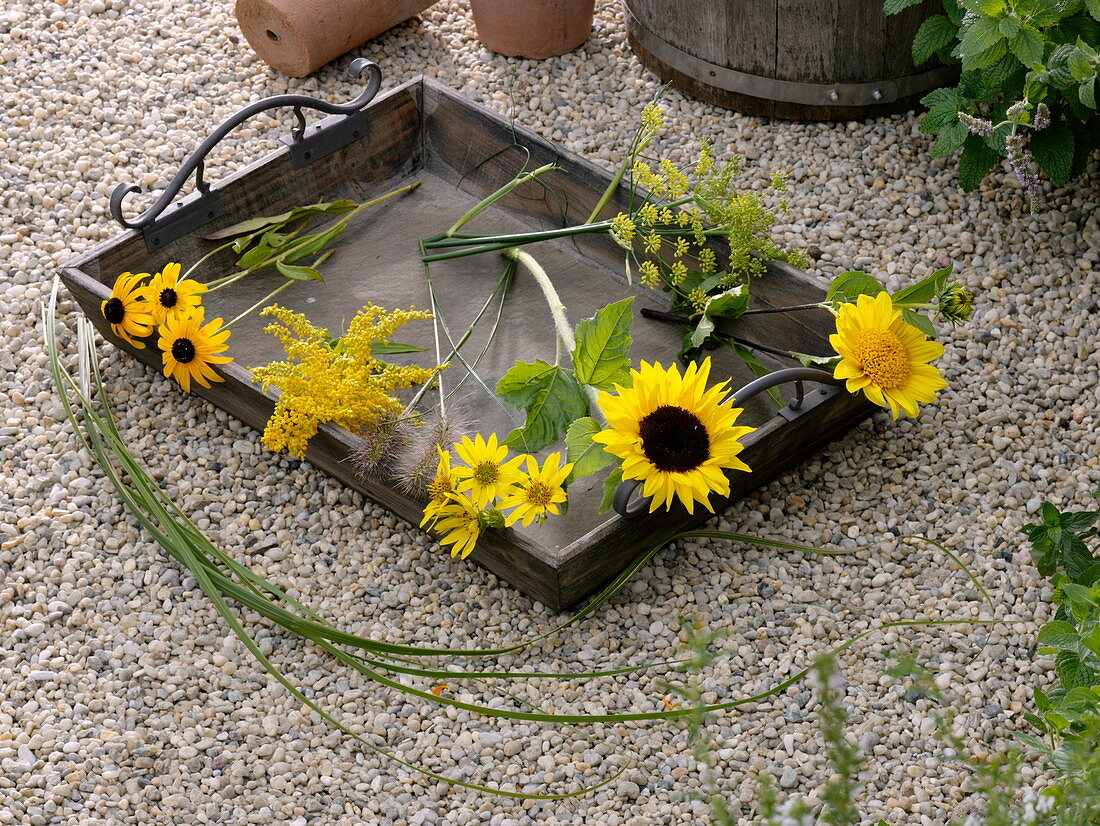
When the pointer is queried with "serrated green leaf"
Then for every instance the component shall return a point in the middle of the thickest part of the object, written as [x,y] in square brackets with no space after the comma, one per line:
[935,33]
[891,7]
[609,484]
[549,394]
[1072,671]
[981,35]
[1008,27]
[976,161]
[1086,92]
[988,57]
[950,139]
[849,286]
[1032,741]
[1080,66]
[1052,149]
[587,456]
[1094,8]
[920,321]
[298,273]
[946,95]
[1061,636]
[602,354]
[1028,46]
[938,117]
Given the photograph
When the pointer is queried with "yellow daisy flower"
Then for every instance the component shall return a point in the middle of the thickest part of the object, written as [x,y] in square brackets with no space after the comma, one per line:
[170,297]
[459,524]
[440,488]
[884,356]
[189,347]
[487,474]
[127,309]
[674,434]
[539,492]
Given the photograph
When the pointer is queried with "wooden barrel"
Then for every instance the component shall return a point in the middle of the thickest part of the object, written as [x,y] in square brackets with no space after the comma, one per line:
[796,59]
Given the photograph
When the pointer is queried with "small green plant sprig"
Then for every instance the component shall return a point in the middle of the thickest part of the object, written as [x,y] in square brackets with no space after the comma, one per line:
[1028,88]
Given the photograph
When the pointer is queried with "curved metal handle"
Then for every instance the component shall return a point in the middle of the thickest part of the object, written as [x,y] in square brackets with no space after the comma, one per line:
[629,506]
[196,161]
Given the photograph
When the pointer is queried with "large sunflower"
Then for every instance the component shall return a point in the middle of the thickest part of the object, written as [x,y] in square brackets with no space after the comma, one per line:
[170,297]
[884,356]
[673,434]
[127,309]
[189,347]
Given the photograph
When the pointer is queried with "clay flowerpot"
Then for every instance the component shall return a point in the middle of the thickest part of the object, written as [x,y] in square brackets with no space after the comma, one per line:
[533,28]
[298,36]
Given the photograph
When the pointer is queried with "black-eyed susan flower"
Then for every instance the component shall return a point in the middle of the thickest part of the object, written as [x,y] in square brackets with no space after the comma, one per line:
[489,472]
[189,348]
[127,309]
[459,524]
[170,297]
[674,434]
[440,488]
[884,356]
[539,491]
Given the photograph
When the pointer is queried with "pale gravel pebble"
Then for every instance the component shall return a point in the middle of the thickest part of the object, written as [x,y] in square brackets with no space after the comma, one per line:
[125,699]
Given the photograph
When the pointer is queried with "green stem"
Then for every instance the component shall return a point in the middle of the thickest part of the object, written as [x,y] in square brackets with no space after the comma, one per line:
[484,204]
[208,255]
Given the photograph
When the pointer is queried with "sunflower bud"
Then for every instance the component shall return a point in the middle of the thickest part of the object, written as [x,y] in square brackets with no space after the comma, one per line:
[956,304]
[492,518]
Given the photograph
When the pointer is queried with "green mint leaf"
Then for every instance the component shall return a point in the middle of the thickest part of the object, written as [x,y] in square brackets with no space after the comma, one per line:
[1087,93]
[1028,46]
[602,355]
[950,139]
[549,394]
[1053,151]
[976,161]
[1080,66]
[935,33]
[890,7]
[587,456]
[1094,8]
[979,37]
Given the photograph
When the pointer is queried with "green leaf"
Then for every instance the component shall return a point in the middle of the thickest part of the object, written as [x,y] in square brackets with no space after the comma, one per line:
[890,7]
[982,35]
[587,456]
[1061,636]
[602,354]
[829,362]
[925,290]
[976,161]
[849,286]
[1032,741]
[920,321]
[1087,93]
[988,57]
[1080,66]
[730,303]
[609,484]
[310,245]
[1072,671]
[935,33]
[550,395]
[298,273]
[253,224]
[1094,8]
[698,337]
[255,256]
[1053,151]
[393,348]
[950,139]
[1028,46]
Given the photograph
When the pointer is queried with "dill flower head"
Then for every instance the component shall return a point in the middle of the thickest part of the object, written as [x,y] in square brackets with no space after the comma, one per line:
[623,230]
[538,492]
[458,521]
[347,385]
[127,309]
[171,298]
[653,117]
[956,304]
[884,356]
[651,276]
[488,472]
[189,348]
[674,434]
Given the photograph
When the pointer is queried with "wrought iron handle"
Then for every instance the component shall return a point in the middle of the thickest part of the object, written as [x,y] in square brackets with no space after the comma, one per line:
[195,163]
[627,505]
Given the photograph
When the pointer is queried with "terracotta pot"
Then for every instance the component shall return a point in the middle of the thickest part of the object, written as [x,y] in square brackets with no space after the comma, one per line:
[533,28]
[299,36]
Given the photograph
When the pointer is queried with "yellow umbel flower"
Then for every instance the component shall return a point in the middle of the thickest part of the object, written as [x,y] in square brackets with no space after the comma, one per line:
[653,118]
[708,261]
[171,298]
[488,472]
[677,272]
[698,298]
[189,347]
[459,524]
[674,434]
[343,384]
[648,215]
[440,488]
[539,491]
[651,243]
[651,276]
[884,356]
[127,309]
[623,230]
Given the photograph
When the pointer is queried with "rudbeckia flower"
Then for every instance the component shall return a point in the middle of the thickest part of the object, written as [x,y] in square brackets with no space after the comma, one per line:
[127,309]
[189,347]
[488,472]
[170,298]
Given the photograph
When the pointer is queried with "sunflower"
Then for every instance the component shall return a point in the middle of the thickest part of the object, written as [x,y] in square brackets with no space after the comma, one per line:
[539,491]
[884,356]
[487,474]
[127,309]
[440,488]
[170,297]
[189,347]
[673,434]
[458,522]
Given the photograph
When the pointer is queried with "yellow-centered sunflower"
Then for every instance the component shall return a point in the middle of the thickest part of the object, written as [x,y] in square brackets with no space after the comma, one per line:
[674,434]
[487,474]
[440,488]
[884,356]
[189,347]
[127,309]
[539,491]
[170,297]
[459,524]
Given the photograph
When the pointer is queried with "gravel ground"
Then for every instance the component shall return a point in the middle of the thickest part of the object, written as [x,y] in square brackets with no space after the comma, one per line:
[124,698]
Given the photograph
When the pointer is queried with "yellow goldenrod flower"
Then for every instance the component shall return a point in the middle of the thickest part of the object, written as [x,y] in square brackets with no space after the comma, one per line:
[440,488]
[189,347]
[488,473]
[171,298]
[674,434]
[459,525]
[127,309]
[884,356]
[538,492]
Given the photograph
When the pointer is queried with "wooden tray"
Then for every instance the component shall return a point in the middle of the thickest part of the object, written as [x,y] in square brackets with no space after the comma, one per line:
[461,152]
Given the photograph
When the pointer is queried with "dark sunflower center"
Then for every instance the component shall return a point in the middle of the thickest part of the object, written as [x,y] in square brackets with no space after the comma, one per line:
[183,350]
[114,310]
[674,439]
[168,298]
